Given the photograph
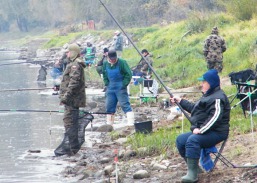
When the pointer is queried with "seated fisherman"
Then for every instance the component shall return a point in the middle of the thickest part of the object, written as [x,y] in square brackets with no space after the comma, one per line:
[209,123]
[142,69]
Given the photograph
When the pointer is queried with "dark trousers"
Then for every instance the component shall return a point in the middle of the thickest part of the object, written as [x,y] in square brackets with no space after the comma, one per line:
[189,145]
[218,65]
[71,116]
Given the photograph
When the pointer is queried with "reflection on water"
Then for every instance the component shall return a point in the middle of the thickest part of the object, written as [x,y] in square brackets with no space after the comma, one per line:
[23,131]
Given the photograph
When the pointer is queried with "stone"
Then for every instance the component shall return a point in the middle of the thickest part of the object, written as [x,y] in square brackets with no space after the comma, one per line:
[157,166]
[105,128]
[141,174]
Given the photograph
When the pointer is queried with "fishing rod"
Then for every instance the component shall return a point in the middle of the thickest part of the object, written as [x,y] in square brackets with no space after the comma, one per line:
[149,65]
[23,59]
[49,111]
[182,92]
[24,89]
[28,62]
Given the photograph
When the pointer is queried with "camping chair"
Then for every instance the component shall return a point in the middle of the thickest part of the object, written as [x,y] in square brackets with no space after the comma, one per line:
[149,90]
[244,88]
[218,156]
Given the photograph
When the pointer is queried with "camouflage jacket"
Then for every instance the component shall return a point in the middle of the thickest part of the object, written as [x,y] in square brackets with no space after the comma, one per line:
[143,66]
[72,88]
[214,46]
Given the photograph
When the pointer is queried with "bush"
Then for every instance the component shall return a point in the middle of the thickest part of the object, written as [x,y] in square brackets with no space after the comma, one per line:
[242,10]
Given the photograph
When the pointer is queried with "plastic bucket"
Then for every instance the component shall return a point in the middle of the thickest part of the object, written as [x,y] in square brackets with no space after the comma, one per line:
[144,127]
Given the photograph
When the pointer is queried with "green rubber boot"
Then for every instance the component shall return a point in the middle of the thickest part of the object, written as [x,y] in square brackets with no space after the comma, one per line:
[192,171]
[199,169]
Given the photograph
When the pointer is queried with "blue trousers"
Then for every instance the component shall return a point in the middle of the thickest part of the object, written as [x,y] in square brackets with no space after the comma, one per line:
[189,145]
[115,96]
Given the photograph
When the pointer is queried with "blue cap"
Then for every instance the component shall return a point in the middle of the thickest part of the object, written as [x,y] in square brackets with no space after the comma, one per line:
[212,77]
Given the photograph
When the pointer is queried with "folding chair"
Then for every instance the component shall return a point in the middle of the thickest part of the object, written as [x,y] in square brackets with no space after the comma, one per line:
[225,161]
[149,90]
[244,88]
[218,154]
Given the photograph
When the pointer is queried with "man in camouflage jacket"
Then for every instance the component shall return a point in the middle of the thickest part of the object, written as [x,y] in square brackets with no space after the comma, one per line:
[214,46]
[72,95]
[144,67]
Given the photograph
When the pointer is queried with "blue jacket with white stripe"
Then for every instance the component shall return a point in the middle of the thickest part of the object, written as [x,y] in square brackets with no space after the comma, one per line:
[211,112]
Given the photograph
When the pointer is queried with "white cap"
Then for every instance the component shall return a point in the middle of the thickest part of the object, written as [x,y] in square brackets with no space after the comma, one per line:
[117,32]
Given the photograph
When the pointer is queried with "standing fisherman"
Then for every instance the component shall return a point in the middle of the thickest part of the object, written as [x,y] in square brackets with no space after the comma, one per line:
[214,46]
[72,95]
[117,76]
[118,43]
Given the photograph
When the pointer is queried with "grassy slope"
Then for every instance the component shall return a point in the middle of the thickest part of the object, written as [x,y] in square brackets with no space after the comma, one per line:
[177,54]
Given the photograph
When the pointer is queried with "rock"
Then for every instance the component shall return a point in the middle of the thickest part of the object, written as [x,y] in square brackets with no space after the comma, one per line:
[99,174]
[92,105]
[157,166]
[130,153]
[121,153]
[34,151]
[141,174]
[94,128]
[103,181]
[69,170]
[82,163]
[171,116]
[166,162]
[108,169]
[121,141]
[105,128]
[104,160]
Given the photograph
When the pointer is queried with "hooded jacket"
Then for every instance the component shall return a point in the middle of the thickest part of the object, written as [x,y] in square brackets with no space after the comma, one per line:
[211,112]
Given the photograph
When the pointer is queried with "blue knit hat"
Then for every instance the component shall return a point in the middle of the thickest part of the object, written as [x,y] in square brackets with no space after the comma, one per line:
[212,77]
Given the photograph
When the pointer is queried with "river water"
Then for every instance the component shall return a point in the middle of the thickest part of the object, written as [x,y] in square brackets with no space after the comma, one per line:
[22,132]
[28,139]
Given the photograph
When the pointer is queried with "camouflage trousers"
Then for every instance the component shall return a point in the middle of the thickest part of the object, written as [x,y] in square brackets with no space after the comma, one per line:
[215,65]
[71,117]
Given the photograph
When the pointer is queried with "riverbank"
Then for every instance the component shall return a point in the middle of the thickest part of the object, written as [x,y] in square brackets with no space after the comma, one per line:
[97,163]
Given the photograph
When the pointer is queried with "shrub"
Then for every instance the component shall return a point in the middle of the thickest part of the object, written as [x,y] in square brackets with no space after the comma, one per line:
[241,9]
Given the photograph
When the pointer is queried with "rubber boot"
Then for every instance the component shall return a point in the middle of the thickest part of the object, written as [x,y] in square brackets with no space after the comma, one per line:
[73,139]
[192,171]
[199,169]
[109,119]
[130,118]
